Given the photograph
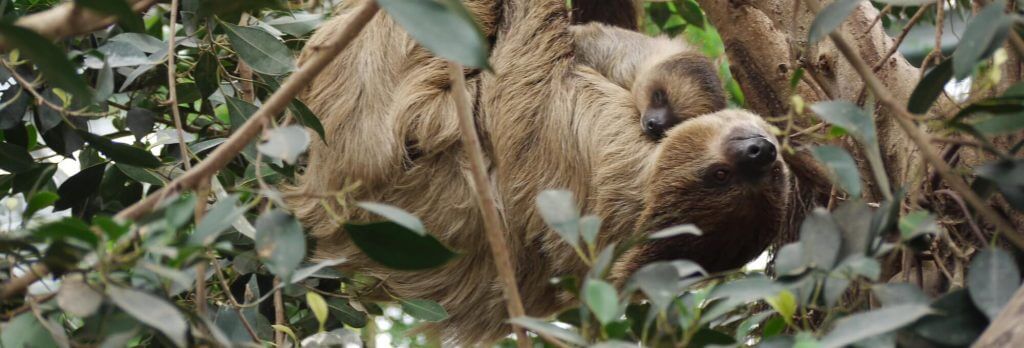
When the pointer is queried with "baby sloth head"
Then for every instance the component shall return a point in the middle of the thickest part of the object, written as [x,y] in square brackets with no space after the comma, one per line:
[723,173]
[674,88]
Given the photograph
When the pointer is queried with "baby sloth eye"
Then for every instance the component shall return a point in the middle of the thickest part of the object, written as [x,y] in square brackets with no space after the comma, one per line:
[659,98]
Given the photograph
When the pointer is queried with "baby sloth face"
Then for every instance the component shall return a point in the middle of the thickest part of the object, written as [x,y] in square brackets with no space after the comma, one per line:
[676,88]
[723,173]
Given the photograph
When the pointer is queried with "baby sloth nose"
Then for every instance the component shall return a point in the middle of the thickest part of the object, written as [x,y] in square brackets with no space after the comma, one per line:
[753,155]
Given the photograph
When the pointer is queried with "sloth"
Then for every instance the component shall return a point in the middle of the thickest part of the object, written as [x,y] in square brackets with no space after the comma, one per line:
[670,80]
[546,122]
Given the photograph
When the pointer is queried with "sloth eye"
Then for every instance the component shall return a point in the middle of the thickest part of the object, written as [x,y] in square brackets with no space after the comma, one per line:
[721,174]
[659,98]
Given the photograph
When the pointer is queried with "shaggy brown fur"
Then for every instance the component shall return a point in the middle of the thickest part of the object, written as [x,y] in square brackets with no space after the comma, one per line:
[548,122]
[670,80]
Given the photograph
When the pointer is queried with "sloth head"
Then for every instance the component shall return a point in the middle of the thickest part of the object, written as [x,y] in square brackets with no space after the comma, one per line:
[723,173]
[671,89]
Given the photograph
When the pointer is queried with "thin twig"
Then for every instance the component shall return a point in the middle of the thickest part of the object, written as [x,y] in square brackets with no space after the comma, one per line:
[493,225]
[967,213]
[920,139]
[227,151]
[172,85]
[30,87]
[234,303]
[885,10]
[278,313]
[903,34]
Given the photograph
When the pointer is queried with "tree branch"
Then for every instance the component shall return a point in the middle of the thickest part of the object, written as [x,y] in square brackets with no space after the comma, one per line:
[67,20]
[227,151]
[493,225]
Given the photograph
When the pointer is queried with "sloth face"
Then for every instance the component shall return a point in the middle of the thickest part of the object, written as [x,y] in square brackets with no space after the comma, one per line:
[678,88]
[723,173]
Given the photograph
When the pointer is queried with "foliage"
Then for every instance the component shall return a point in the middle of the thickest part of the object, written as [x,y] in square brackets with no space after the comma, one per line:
[87,131]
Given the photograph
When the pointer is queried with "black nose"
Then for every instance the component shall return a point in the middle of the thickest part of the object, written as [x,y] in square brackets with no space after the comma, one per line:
[753,154]
[656,121]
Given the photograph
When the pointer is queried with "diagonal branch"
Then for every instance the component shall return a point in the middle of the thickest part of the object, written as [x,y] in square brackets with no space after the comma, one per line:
[227,151]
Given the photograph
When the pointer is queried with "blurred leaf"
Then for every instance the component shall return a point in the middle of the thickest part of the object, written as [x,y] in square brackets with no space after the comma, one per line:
[829,18]
[558,209]
[397,247]
[784,303]
[860,326]
[348,315]
[152,311]
[819,237]
[917,223]
[590,227]
[396,215]
[223,213]
[999,124]
[262,51]
[425,310]
[121,153]
[548,329]
[104,84]
[140,122]
[128,18]
[660,280]
[13,103]
[691,12]
[79,187]
[78,298]
[25,331]
[930,87]
[67,228]
[1008,175]
[306,272]
[676,231]
[790,259]
[854,221]
[40,200]
[285,143]
[318,306]
[280,243]
[984,34]
[15,159]
[992,279]
[892,294]
[902,3]
[143,42]
[51,60]
[297,24]
[956,322]
[286,330]
[841,166]
[602,299]
[850,117]
[444,27]
[119,54]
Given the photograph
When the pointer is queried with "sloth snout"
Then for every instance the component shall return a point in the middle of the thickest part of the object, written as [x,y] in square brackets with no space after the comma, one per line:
[752,156]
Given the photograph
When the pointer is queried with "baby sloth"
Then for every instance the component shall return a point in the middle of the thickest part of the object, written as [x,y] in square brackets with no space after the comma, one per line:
[670,80]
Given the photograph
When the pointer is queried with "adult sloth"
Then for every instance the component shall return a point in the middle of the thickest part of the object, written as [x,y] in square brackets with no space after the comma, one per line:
[547,122]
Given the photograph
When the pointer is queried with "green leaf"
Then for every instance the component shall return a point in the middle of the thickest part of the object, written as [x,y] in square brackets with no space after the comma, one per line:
[297,24]
[956,321]
[285,143]
[850,117]
[860,326]
[545,328]
[15,159]
[51,60]
[40,200]
[425,310]
[141,175]
[660,281]
[67,228]
[829,18]
[286,330]
[983,35]
[691,12]
[784,303]
[917,223]
[1008,175]
[841,166]
[120,153]
[820,239]
[930,88]
[79,187]
[26,331]
[152,311]
[397,247]
[143,42]
[318,305]
[207,74]
[558,209]
[442,26]
[891,294]
[223,213]
[396,215]
[262,51]
[602,300]
[992,279]
[239,111]
[590,227]
[280,243]
[346,313]
[128,18]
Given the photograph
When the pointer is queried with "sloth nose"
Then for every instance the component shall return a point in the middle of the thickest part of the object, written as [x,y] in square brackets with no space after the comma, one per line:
[754,154]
